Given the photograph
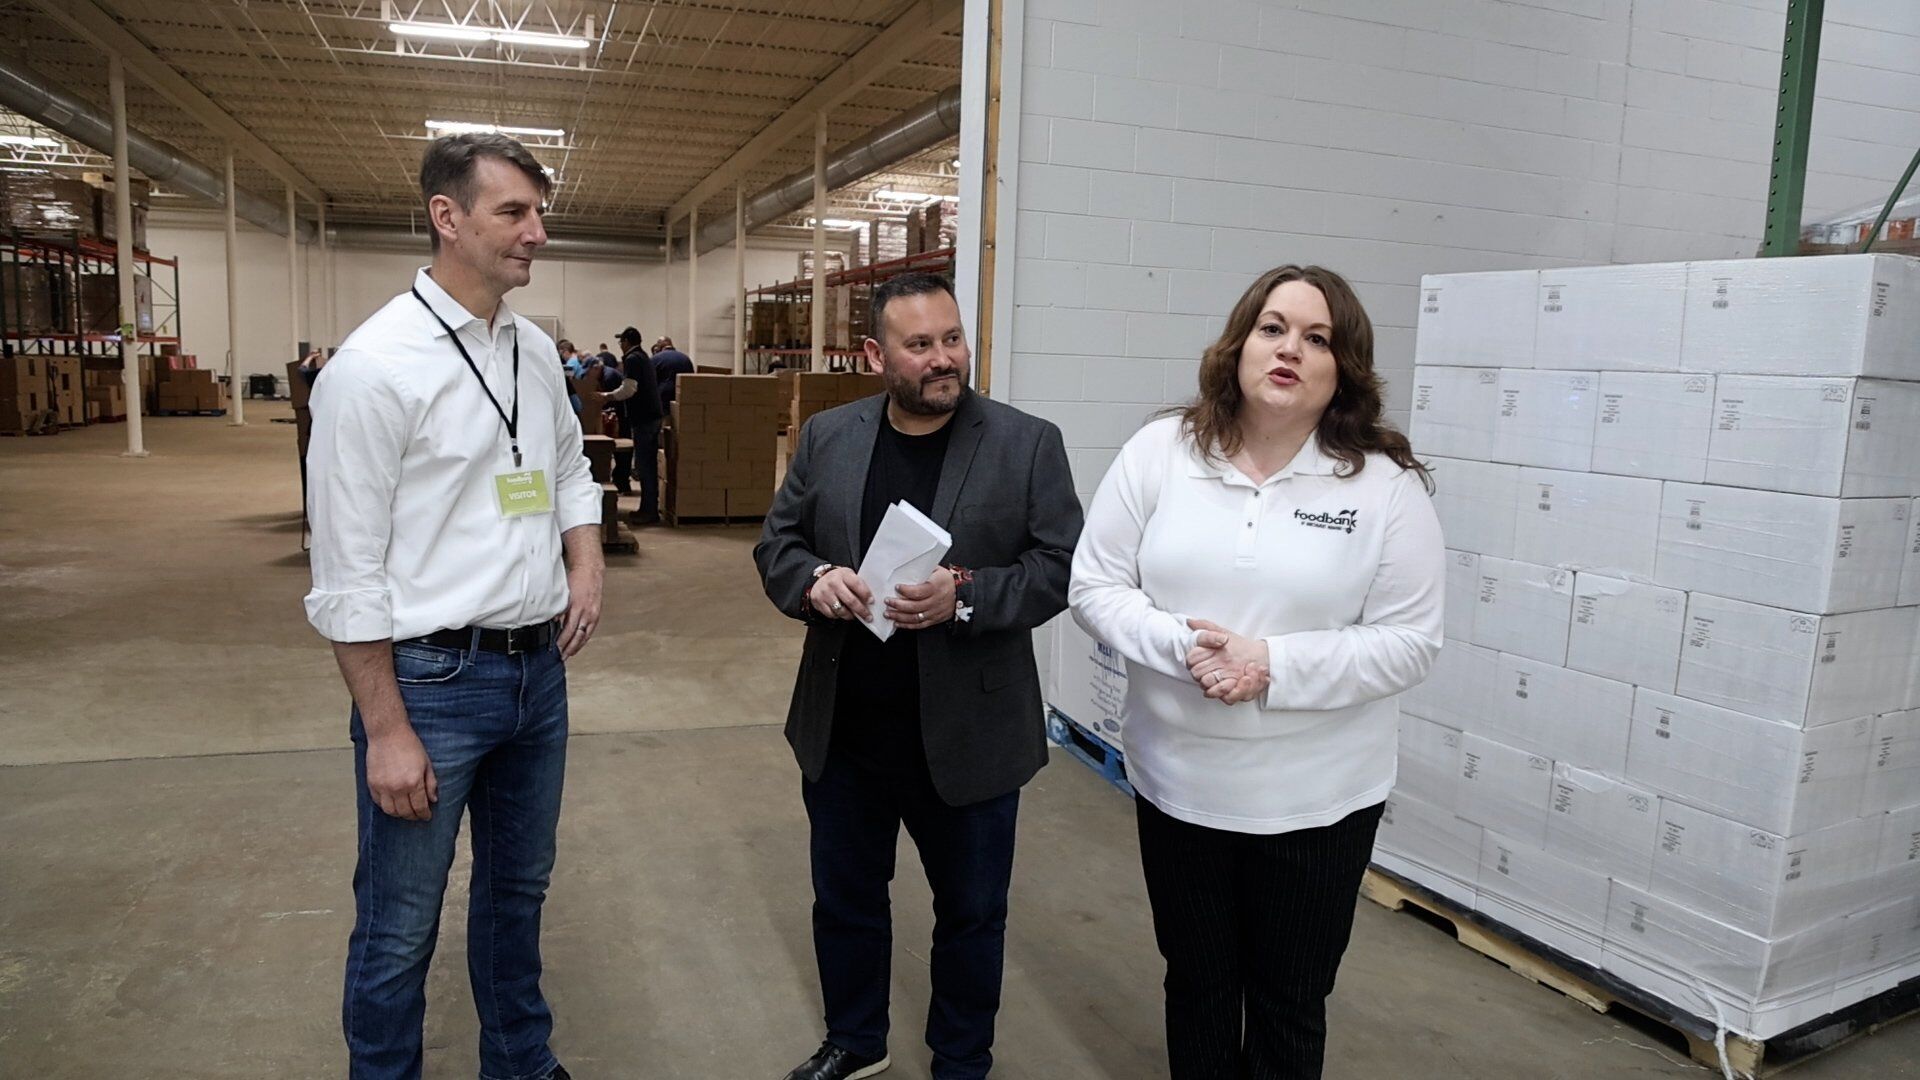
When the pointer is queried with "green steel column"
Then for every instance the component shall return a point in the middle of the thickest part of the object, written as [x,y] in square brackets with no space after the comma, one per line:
[1792,123]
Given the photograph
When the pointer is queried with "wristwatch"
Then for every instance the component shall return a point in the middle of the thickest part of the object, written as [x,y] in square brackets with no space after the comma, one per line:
[962,611]
[806,594]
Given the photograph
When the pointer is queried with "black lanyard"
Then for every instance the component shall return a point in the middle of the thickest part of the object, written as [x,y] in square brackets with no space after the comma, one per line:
[512,421]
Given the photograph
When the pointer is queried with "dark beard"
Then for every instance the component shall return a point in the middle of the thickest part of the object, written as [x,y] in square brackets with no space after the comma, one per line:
[910,397]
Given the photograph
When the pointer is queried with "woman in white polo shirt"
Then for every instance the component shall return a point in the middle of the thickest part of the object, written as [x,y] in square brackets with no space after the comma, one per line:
[1271,544]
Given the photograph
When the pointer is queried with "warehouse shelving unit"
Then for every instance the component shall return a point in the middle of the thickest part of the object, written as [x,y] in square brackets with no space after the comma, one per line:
[75,256]
[862,279]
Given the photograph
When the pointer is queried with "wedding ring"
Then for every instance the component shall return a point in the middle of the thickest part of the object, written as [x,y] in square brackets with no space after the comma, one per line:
[837,605]
[919,616]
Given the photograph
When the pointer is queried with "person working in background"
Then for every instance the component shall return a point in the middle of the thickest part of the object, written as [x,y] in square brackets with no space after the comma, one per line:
[641,414]
[670,363]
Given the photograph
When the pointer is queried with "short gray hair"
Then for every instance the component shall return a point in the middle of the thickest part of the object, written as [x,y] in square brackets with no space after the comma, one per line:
[447,168]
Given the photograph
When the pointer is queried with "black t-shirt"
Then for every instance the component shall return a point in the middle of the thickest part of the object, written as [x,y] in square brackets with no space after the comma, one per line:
[877,707]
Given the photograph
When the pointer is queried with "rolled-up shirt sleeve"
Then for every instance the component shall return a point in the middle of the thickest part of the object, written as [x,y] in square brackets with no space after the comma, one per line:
[576,492]
[353,466]
[1392,647]
[1104,593]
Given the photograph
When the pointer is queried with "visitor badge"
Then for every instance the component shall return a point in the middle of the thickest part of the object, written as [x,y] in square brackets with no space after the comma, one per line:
[523,493]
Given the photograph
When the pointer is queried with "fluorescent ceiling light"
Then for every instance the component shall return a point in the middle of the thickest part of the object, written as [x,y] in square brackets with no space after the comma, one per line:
[839,223]
[461,127]
[452,32]
[892,195]
[20,169]
[27,140]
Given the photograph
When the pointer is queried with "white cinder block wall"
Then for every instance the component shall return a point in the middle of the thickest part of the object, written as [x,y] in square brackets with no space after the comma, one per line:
[593,299]
[1168,153]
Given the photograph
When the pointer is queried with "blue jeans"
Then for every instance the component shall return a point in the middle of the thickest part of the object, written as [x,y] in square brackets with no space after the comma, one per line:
[967,851]
[495,729]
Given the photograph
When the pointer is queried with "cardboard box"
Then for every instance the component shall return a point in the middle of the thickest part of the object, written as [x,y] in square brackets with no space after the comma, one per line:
[1910,560]
[1795,667]
[1893,762]
[100,303]
[749,501]
[700,502]
[45,204]
[754,390]
[1835,437]
[1602,824]
[1524,608]
[817,387]
[695,389]
[1627,631]
[1475,503]
[723,473]
[1429,845]
[689,419]
[1546,419]
[1897,855]
[1561,714]
[1833,315]
[25,374]
[1796,551]
[1458,691]
[1552,901]
[1611,318]
[1477,320]
[1580,520]
[598,450]
[1758,881]
[1462,597]
[1505,789]
[1088,682]
[1453,411]
[1763,986]
[699,445]
[1880,949]
[1429,761]
[1777,777]
[32,298]
[1656,426]
[761,446]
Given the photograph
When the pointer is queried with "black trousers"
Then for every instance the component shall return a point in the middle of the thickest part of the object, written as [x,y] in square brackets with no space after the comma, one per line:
[1252,928]
[642,463]
[856,811]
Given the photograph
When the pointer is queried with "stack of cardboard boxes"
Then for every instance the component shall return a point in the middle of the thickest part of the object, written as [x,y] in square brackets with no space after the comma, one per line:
[100,303]
[26,394]
[187,390]
[69,391]
[816,392]
[106,396]
[721,449]
[34,299]
[1675,729]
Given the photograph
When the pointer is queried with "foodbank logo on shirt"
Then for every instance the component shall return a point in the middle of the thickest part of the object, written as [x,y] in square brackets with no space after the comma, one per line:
[1343,521]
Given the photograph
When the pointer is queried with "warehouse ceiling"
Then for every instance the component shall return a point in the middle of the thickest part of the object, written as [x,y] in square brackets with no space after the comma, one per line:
[662,94]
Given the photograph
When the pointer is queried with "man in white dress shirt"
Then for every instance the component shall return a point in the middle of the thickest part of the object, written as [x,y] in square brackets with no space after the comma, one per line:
[456,565]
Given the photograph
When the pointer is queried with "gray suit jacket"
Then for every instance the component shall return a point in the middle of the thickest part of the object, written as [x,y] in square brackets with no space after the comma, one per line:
[1006,495]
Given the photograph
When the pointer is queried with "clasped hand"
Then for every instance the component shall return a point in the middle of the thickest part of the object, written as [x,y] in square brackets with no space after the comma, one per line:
[1229,667]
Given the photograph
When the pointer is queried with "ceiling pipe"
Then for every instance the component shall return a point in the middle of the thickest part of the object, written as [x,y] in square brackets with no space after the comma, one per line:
[925,125]
[403,239]
[32,96]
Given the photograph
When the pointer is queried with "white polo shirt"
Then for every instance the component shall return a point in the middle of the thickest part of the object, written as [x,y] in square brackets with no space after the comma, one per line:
[408,537]
[1344,577]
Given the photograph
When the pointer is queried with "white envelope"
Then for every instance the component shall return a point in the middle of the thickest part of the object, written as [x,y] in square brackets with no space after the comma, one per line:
[904,552]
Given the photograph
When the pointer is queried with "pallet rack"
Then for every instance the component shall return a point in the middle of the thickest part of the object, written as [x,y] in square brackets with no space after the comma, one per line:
[76,255]
[759,357]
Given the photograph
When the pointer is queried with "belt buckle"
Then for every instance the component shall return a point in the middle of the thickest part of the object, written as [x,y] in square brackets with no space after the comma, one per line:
[522,639]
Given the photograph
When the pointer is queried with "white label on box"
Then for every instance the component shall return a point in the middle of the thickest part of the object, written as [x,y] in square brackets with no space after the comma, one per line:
[1795,551]
[1760,882]
[1505,789]
[1833,315]
[1900,845]
[1655,426]
[1779,777]
[1828,437]
[1524,609]
[1603,824]
[1582,521]
[1793,667]
[1453,410]
[1561,714]
[1626,630]
[1893,762]
[1474,501]
[1546,419]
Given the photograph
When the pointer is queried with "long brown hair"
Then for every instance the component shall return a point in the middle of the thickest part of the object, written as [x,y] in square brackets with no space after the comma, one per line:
[1352,425]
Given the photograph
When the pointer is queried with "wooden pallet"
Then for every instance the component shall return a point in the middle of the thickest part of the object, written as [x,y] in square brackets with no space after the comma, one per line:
[680,521]
[189,412]
[1603,993]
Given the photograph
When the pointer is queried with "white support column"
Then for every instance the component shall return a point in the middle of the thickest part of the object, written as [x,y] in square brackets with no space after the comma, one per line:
[666,288]
[819,307]
[123,230]
[238,416]
[293,279]
[693,285]
[323,326]
[739,278]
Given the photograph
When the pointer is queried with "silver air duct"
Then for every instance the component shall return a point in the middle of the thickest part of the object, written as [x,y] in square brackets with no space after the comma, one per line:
[403,239]
[33,97]
[923,126]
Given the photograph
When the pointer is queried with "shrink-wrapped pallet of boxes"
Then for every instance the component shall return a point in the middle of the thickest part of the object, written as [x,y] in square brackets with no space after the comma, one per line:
[1676,702]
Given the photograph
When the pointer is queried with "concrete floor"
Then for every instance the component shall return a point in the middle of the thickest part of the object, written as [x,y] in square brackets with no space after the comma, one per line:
[176,829]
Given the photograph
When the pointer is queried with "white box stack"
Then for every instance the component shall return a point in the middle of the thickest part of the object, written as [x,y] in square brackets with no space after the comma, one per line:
[1680,697]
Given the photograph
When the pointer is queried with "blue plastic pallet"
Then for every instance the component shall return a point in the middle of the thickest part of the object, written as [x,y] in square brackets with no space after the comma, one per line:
[1092,751]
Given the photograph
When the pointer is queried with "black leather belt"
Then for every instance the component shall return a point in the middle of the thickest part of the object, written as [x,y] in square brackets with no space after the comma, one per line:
[520,639]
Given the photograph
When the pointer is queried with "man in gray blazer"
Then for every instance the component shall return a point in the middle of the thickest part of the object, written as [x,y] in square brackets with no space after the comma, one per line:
[938,727]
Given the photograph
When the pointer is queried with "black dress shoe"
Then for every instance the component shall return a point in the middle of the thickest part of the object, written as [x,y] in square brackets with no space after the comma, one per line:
[559,1073]
[833,1063]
